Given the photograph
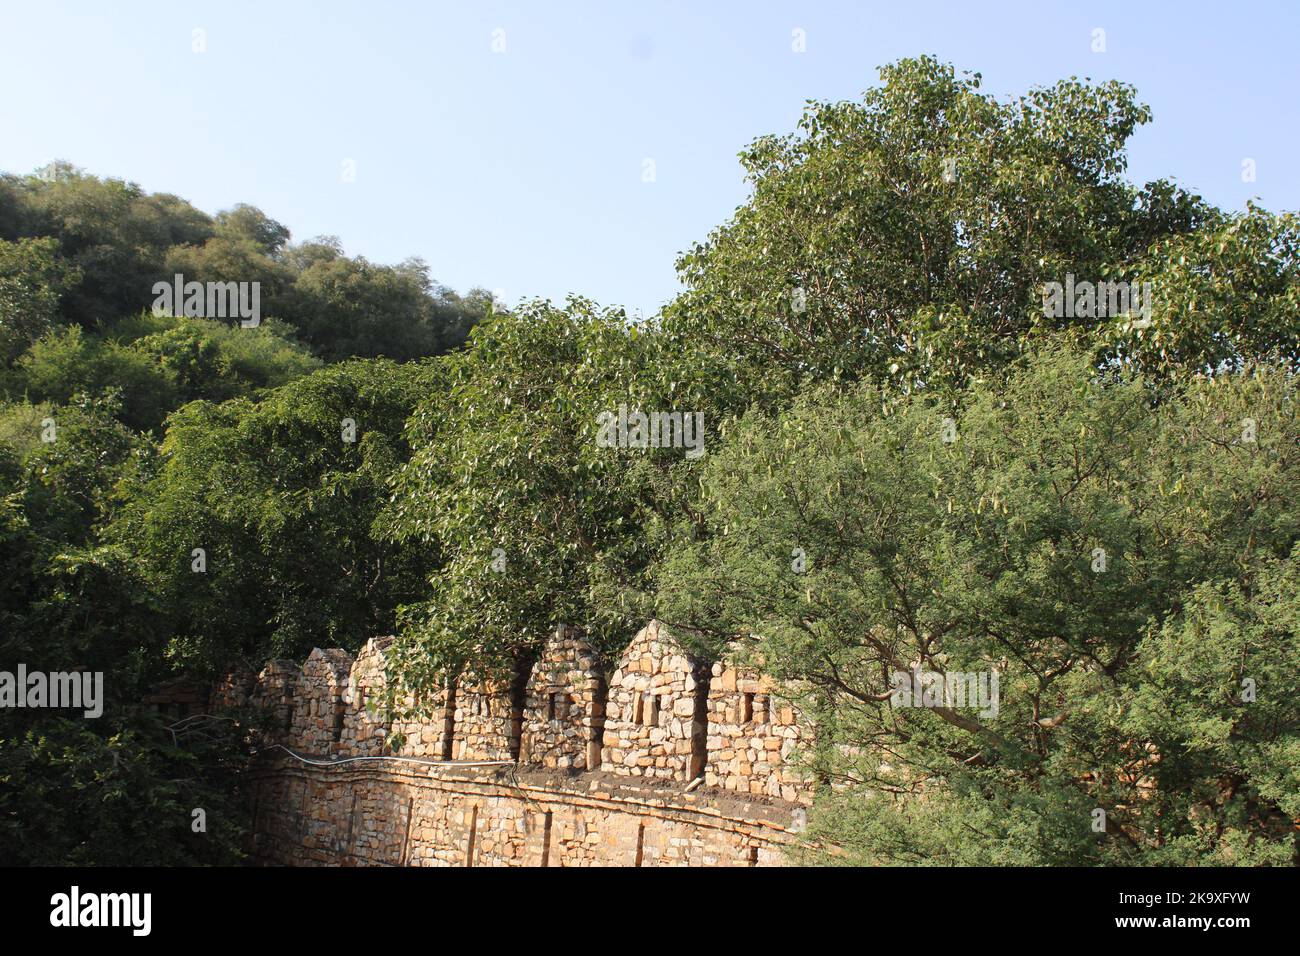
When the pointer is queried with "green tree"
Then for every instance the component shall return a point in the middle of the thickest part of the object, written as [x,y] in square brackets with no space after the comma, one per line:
[32,278]
[534,523]
[1224,295]
[348,307]
[157,363]
[119,792]
[905,238]
[70,361]
[280,495]
[228,259]
[212,360]
[245,222]
[117,789]
[116,236]
[1065,532]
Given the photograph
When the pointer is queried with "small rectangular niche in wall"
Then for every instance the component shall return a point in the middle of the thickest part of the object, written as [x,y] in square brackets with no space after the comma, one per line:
[699,731]
[546,839]
[447,745]
[746,708]
[557,706]
[340,710]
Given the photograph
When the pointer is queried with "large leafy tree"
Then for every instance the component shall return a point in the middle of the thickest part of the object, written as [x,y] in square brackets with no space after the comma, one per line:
[119,791]
[113,232]
[528,514]
[1122,565]
[67,601]
[119,788]
[214,361]
[69,361]
[351,307]
[230,258]
[32,278]
[157,363]
[1225,294]
[280,495]
[250,223]
[905,238]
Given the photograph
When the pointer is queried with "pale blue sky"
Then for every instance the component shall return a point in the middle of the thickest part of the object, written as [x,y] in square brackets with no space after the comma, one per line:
[522,171]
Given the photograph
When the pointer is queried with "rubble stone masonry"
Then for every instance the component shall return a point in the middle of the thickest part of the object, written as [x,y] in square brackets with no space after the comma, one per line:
[402,814]
[753,736]
[657,711]
[668,760]
[487,718]
[564,707]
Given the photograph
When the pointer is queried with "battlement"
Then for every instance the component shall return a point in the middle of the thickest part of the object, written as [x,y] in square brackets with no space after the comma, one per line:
[658,758]
[658,714]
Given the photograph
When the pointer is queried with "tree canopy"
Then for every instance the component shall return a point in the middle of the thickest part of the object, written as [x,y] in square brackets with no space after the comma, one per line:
[1064,532]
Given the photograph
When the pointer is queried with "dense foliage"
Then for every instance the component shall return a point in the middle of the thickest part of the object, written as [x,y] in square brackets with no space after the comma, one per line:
[129,439]
[101,245]
[908,461]
[1122,565]
[280,496]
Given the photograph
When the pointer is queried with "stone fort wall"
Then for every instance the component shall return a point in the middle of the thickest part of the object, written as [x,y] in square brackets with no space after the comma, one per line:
[657,758]
[402,814]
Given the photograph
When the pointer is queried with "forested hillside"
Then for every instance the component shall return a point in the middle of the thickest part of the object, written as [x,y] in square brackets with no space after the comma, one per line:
[131,436]
[911,460]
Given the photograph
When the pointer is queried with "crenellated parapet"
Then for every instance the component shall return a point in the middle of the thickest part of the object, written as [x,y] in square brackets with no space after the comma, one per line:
[319,704]
[657,715]
[657,758]
[365,731]
[234,690]
[274,693]
[488,715]
[564,705]
[661,715]
[754,734]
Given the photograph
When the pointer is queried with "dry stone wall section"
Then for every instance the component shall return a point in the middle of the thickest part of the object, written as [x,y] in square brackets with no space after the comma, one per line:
[657,713]
[753,736]
[564,706]
[404,815]
[666,759]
